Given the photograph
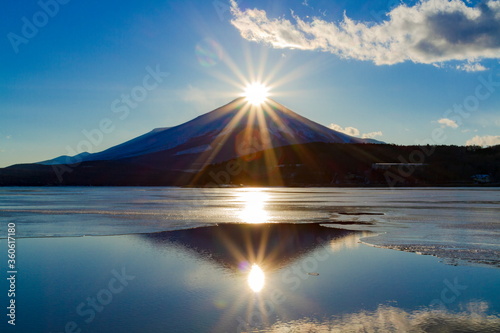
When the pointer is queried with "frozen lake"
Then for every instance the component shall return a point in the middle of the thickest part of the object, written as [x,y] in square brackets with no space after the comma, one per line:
[259,259]
[452,223]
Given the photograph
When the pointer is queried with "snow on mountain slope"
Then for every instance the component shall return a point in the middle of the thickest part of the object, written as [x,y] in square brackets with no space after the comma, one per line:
[232,130]
[65,159]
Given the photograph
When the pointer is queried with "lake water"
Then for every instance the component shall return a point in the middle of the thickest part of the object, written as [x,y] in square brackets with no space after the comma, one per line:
[173,259]
[452,223]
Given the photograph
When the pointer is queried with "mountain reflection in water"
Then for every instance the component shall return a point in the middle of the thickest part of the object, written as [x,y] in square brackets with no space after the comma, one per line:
[281,291]
[269,245]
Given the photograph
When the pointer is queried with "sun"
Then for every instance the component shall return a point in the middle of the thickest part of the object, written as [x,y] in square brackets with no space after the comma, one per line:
[256,278]
[256,93]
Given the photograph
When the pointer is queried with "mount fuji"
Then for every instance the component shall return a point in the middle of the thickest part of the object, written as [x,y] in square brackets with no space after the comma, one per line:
[179,155]
[235,129]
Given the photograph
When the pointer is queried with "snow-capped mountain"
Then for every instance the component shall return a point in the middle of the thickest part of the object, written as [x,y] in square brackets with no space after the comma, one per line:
[235,129]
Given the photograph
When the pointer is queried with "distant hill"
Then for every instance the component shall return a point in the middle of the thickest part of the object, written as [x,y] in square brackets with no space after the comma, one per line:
[311,164]
[320,164]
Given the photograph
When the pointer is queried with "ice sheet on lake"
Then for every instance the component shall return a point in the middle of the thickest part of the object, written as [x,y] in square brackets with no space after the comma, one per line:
[452,223]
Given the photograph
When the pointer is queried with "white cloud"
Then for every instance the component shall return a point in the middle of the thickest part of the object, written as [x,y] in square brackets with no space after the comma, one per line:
[471,67]
[483,141]
[372,135]
[391,319]
[430,32]
[448,122]
[352,131]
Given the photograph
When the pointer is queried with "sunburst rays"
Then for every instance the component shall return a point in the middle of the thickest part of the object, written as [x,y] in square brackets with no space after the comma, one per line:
[260,74]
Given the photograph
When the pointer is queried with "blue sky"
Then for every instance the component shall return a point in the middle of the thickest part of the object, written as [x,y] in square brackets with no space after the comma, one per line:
[428,72]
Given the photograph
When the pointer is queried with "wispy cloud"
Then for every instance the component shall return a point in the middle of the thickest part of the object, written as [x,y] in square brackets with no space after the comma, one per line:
[471,67]
[201,99]
[353,131]
[430,32]
[372,135]
[192,93]
[484,141]
[448,122]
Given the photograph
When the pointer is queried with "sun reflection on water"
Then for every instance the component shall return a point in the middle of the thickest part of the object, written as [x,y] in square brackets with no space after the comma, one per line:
[254,210]
[256,278]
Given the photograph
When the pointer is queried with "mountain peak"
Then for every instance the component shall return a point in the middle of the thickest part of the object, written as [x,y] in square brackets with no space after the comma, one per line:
[234,129]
